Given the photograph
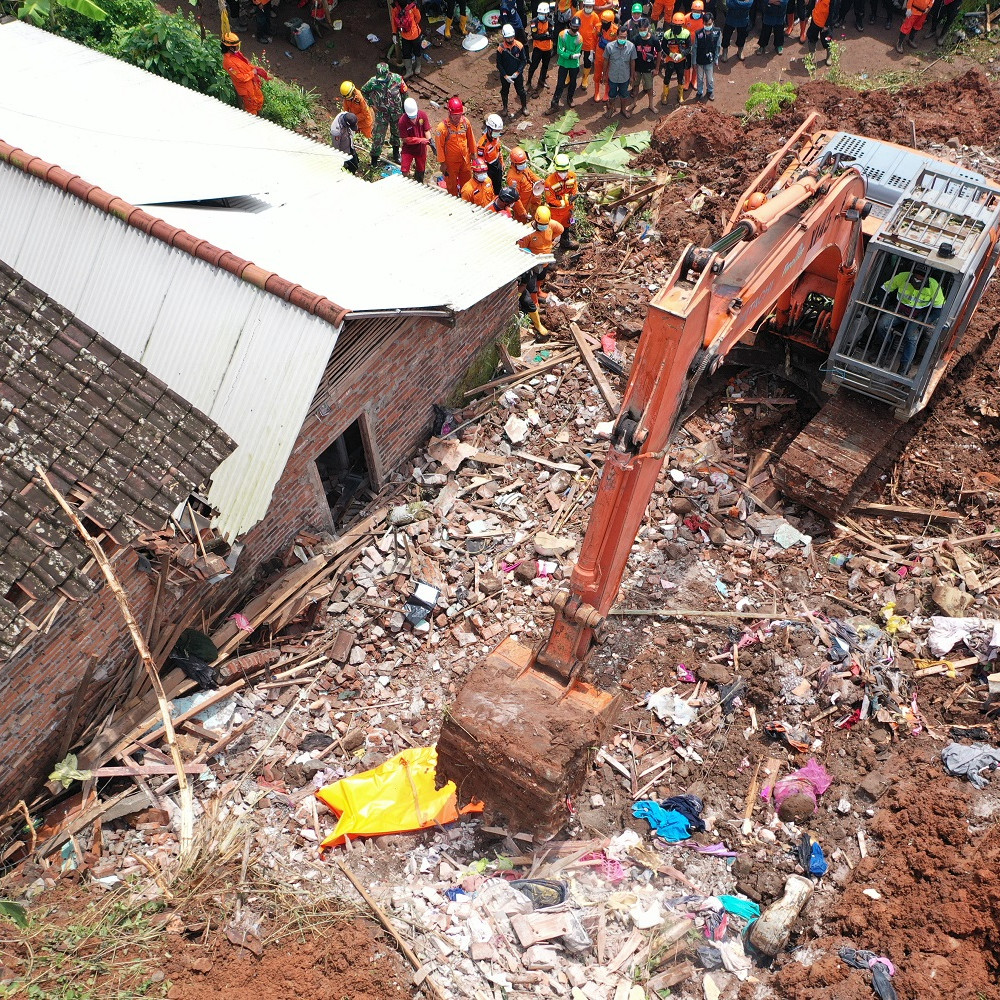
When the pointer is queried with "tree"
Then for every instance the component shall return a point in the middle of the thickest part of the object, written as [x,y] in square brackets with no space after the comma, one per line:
[40,11]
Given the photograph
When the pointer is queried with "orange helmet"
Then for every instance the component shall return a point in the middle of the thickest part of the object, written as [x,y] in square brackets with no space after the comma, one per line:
[678,18]
[518,155]
[608,16]
[697,6]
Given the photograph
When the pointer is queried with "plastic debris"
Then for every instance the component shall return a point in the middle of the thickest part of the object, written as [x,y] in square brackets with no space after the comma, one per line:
[666,706]
[795,795]
[811,856]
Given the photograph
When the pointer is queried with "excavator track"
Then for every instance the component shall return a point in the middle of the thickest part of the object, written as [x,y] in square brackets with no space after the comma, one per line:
[839,453]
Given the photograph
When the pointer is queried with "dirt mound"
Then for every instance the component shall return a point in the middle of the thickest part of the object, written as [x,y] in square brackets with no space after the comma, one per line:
[697,132]
[938,918]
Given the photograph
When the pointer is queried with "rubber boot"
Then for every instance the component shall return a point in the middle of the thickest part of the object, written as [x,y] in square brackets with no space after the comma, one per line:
[566,241]
[899,43]
[802,31]
[812,48]
[739,55]
[536,322]
[462,23]
[725,54]
[416,65]
[680,94]
[912,40]
[448,22]
[586,78]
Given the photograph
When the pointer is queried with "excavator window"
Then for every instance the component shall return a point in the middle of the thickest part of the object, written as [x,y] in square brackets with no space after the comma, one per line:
[896,317]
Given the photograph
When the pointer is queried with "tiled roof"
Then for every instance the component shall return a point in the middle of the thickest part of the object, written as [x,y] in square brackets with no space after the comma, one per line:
[101,426]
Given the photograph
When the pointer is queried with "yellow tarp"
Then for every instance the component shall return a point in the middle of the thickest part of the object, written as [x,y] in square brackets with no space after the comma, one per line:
[396,797]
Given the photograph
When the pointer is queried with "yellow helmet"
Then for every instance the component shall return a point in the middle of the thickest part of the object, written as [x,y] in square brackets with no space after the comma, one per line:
[346,88]
[543,215]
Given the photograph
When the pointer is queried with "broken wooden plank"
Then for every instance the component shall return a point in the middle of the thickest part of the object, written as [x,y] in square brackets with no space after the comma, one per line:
[559,466]
[608,394]
[913,513]
[533,370]
[145,770]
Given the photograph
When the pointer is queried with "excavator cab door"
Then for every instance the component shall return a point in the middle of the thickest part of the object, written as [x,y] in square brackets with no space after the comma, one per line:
[892,335]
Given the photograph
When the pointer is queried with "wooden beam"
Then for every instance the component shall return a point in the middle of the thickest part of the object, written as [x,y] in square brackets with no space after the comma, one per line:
[608,394]
[913,513]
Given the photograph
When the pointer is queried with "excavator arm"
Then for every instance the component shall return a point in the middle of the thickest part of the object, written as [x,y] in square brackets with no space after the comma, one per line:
[519,734]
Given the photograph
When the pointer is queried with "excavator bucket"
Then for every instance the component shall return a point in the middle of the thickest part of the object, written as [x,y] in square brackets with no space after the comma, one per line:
[521,739]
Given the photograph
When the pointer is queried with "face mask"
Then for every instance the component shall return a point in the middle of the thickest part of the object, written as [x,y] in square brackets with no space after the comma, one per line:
[562,174]
[622,41]
[412,118]
[541,227]
[480,177]
[521,166]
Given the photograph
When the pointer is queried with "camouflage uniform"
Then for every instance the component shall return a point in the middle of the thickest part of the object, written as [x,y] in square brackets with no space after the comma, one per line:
[384,92]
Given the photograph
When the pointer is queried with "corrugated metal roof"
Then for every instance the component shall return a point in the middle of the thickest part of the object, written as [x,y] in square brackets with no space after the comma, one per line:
[246,358]
[390,245]
[139,136]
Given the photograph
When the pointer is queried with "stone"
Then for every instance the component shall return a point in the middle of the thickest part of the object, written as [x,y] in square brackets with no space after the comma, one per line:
[952,601]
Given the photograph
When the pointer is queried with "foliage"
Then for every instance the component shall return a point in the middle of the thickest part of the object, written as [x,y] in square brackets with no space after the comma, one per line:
[13,911]
[765,100]
[606,152]
[171,46]
[288,104]
[834,73]
[40,12]
[122,14]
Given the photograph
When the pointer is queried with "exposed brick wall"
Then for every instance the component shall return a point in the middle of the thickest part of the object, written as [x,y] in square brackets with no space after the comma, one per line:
[393,390]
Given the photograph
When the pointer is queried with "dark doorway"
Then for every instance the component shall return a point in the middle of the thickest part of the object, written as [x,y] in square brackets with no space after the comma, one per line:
[343,470]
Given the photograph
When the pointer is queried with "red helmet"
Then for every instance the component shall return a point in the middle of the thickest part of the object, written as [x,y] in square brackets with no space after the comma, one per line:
[455,106]
[478,165]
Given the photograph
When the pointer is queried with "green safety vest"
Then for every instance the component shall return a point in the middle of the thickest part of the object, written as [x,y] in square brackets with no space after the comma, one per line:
[915,298]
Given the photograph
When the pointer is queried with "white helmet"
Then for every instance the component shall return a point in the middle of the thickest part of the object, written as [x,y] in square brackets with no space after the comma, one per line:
[507,31]
[410,108]
[588,3]
[494,123]
[543,8]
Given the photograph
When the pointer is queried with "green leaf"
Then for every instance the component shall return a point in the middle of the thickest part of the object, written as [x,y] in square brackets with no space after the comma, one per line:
[637,141]
[85,7]
[558,131]
[605,135]
[611,158]
[13,911]
[36,11]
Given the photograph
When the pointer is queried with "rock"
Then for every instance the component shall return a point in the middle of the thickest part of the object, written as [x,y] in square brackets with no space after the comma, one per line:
[515,429]
[681,505]
[526,570]
[490,583]
[547,545]
[714,673]
[796,808]
[717,536]
[874,786]
[952,601]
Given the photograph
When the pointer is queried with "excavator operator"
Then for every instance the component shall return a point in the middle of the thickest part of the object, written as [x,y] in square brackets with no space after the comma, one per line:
[919,298]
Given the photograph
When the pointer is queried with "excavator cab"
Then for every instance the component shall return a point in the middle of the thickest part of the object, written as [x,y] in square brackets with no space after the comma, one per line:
[923,267]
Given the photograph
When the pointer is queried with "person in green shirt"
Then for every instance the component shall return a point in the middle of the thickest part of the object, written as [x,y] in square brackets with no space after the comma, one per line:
[569,54]
[919,299]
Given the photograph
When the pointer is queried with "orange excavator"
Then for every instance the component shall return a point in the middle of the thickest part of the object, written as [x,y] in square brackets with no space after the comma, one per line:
[864,258]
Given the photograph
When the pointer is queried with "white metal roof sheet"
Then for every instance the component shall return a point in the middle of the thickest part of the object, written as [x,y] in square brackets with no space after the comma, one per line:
[246,358]
[391,245]
[139,136]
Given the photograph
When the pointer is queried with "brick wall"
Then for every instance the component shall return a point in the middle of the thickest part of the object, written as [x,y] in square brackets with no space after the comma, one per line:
[417,363]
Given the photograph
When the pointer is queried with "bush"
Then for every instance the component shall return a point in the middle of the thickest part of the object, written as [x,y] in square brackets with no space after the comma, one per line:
[97,34]
[288,104]
[171,46]
[767,99]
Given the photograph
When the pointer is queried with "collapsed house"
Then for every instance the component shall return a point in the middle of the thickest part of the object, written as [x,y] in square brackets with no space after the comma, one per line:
[284,326]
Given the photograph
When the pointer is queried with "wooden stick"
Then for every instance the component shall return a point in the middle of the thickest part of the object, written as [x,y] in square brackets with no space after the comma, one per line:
[608,394]
[693,613]
[384,920]
[187,801]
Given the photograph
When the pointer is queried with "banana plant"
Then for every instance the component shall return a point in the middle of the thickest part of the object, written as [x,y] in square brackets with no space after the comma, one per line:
[605,152]
[39,11]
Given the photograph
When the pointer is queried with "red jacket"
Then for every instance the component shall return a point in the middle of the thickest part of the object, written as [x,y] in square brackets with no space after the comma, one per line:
[410,131]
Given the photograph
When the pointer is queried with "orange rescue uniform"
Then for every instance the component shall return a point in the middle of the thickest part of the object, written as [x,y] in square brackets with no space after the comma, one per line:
[590,25]
[560,195]
[358,107]
[480,193]
[455,146]
[663,10]
[610,33]
[524,181]
[246,80]
[540,242]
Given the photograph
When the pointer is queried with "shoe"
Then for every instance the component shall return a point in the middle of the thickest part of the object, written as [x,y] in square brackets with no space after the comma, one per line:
[871,19]
[524,109]
[566,242]
[739,55]
[899,43]
[725,55]
[266,40]
[761,50]
[912,40]
[888,23]
[711,97]
[779,49]
[860,26]
[699,97]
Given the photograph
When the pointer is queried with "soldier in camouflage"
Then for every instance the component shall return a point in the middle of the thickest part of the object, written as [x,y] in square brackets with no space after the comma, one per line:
[384,92]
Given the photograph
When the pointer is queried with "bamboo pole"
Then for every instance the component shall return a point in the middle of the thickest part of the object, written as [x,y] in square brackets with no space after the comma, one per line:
[184,789]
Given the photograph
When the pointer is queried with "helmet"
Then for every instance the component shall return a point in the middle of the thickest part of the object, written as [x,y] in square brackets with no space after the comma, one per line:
[230,39]
[697,6]
[508,195]
[608,16]
[637,8]
[410,108]
[574,23]
[346,88]
[678,18]
[543,10]
[543,215]
[494,123]
[382,70]
[478,165]
[588,3]
[350,120]
[455,106]
[561,161]
[518,155]
[507,31]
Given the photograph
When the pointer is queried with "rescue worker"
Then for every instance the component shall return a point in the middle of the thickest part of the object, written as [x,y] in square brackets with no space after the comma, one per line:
[479,190]
[542,36]
[510,15]
[523,178]
[919,301]
[915,19]
[738,21]
[590,26]
[546,233]
[508,203]
[245,76]
[352,100]
[415,132]
[707,44]
[662,12]
[569,53]
[675,55]
[511,63]
[450,6]
[342,130]
[772,22]
[456,146]
[561,190]
[564,14]
[384,92]
[694,22]
[607,34]
[490,151]
[819,28]
[406,26]
[634,22]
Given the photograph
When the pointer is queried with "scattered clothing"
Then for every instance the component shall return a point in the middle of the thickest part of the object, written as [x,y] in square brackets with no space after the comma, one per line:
[970,762]
[740,907]
[881,969]
[691,807]
[668,824]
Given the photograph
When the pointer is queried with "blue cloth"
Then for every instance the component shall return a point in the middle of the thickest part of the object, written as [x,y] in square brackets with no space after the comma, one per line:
[689,806]
[669,824]
[741,907]
[775,13]
[738,13]
[817,860]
